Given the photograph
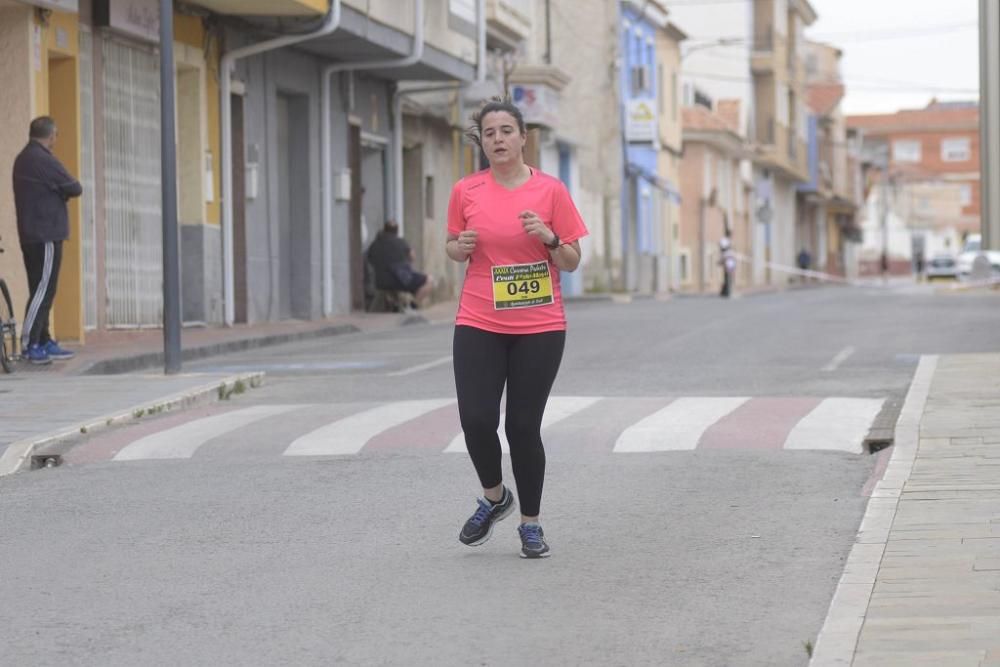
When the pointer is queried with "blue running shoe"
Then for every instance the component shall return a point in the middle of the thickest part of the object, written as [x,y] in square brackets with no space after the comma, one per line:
[479,527]
[37,355]
[532,541]
[56,352]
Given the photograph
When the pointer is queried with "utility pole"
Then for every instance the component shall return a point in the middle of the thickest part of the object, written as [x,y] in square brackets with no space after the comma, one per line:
[168,178]
[989,121]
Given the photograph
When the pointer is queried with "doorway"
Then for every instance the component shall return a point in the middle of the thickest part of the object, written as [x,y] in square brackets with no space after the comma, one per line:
[293,244]
[67,309]
[239,213]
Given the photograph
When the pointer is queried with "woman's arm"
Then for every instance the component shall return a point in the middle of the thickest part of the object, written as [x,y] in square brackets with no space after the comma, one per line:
[566,257]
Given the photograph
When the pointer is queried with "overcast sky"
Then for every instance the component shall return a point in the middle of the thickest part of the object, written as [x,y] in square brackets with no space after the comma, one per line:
[900,53]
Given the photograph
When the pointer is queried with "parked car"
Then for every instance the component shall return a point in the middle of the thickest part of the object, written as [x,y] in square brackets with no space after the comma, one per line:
[971,250]
[941,266]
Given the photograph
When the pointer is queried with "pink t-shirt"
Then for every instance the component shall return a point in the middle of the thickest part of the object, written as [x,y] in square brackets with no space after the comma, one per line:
[511,284]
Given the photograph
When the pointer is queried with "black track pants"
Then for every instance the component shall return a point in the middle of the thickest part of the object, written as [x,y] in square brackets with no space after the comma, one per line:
[527,364]
[41,263]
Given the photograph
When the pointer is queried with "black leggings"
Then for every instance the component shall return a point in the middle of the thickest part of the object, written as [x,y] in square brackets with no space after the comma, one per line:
[527,364]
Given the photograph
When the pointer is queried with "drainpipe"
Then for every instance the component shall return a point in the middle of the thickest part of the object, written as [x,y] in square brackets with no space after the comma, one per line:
[481,41]
[330,23]
[326,142]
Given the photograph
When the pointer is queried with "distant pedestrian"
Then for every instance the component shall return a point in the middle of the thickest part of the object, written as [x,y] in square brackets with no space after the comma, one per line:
[804,260]
[517,228]
[42,186]
[727,259]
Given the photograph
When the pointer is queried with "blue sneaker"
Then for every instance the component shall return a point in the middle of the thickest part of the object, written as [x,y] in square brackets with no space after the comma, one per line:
[532,541]
[479,527]
[37,355]
[56,352]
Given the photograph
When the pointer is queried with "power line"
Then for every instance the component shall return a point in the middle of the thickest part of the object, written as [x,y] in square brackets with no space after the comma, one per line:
[867,87]
[855,36]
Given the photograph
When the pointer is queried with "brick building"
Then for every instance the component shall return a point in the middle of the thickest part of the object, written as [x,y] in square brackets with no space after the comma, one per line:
[921,162]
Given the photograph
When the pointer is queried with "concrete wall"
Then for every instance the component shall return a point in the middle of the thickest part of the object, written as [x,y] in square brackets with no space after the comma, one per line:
[441,30]
[591,121]
[426,206]
[279,230]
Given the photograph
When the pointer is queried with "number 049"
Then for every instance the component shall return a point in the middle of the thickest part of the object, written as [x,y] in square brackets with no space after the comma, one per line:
[523,287]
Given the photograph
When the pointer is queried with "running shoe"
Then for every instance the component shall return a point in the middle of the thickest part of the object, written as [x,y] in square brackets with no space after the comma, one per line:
[532,541]
[56,352]
[479,527]
[37,355]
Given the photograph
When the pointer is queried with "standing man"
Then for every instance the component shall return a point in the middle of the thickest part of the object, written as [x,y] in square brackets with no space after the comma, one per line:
[727,259]
[42,186]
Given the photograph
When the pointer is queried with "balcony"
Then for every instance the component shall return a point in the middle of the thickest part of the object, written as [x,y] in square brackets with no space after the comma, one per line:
[508,22]
[265,7]
[762,54]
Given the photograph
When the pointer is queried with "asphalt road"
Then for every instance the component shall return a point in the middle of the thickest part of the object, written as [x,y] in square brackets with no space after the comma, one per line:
[723,555]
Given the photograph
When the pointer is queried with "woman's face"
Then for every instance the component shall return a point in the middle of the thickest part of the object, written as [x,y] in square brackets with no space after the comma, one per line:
[502,139]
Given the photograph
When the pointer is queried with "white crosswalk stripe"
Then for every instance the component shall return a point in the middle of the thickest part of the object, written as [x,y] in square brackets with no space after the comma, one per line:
[678,426]
[837,424]
[181,442]
[557,409]
[681,425]
[349,435]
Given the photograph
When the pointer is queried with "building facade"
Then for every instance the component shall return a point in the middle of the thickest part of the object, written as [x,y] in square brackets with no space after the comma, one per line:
[827,212]
[716,200]
[920,161]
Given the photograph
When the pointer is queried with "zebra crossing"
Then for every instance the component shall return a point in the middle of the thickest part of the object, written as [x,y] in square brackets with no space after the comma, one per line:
[618,425]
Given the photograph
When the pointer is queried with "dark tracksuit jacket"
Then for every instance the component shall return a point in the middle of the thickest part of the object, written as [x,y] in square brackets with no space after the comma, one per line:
[42,186]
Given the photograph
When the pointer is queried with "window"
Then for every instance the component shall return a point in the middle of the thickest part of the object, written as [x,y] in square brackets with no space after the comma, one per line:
[965,194]
[906,150]
[955,149]
[429,197]
[781,113]
[661,92]
[673,95]
[640,79]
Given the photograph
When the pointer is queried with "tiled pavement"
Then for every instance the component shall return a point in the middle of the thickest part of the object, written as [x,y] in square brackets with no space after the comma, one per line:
[922,585]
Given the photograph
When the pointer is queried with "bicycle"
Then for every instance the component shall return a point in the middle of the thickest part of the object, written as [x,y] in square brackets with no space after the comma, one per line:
[8,329]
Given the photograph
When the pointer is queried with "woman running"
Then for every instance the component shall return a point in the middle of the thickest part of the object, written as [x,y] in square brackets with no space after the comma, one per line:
[517,228]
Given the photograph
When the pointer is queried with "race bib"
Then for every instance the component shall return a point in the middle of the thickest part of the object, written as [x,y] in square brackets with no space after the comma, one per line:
[521,285]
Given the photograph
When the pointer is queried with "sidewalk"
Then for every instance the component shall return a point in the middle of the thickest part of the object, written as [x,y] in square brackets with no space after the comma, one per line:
[46,405]
[922,584]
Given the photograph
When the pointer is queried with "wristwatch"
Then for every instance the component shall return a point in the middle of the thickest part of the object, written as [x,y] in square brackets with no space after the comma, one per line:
[555,242]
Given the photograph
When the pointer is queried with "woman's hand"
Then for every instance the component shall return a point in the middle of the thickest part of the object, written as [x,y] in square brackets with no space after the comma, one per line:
[535,227]
[459,248]
[467,241]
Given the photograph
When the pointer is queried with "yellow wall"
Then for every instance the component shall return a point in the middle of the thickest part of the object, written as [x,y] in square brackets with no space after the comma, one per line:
[15,110]
[189,30]
[57,93]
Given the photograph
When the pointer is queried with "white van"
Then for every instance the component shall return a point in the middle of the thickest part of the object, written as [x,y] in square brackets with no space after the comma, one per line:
[971,250]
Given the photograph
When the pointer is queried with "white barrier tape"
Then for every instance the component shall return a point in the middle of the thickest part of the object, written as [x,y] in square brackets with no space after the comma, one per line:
[796,271]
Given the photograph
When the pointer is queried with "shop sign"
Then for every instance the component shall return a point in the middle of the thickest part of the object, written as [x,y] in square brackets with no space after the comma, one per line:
[135,18]
[71,6]
[538,103]
[640,121]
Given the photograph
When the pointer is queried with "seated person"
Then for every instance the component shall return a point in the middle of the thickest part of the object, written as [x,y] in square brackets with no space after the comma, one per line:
[392,260]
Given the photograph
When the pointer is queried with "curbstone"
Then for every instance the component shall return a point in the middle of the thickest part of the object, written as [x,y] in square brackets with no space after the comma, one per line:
[18,455]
